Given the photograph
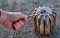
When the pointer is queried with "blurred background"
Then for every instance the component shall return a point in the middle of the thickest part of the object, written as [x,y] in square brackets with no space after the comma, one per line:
[26,7]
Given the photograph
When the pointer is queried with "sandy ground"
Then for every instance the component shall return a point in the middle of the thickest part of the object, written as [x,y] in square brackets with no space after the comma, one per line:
[27,6]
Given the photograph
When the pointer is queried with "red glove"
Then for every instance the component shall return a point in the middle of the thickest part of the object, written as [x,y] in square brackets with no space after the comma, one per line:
[12,19]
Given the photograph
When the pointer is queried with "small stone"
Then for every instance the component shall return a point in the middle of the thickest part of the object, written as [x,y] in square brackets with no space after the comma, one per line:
[31,33]
[15,37]
[11,35]
[14,33]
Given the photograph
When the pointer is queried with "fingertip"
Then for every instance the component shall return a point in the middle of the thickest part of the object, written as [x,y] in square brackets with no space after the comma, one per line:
[16,27]
[26,18]
[21,22]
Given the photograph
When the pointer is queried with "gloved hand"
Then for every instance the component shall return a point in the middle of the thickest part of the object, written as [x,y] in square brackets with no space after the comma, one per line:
[12,19]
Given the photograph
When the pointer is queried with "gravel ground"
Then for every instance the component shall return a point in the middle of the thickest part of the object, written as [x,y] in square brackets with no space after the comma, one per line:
[27,6]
